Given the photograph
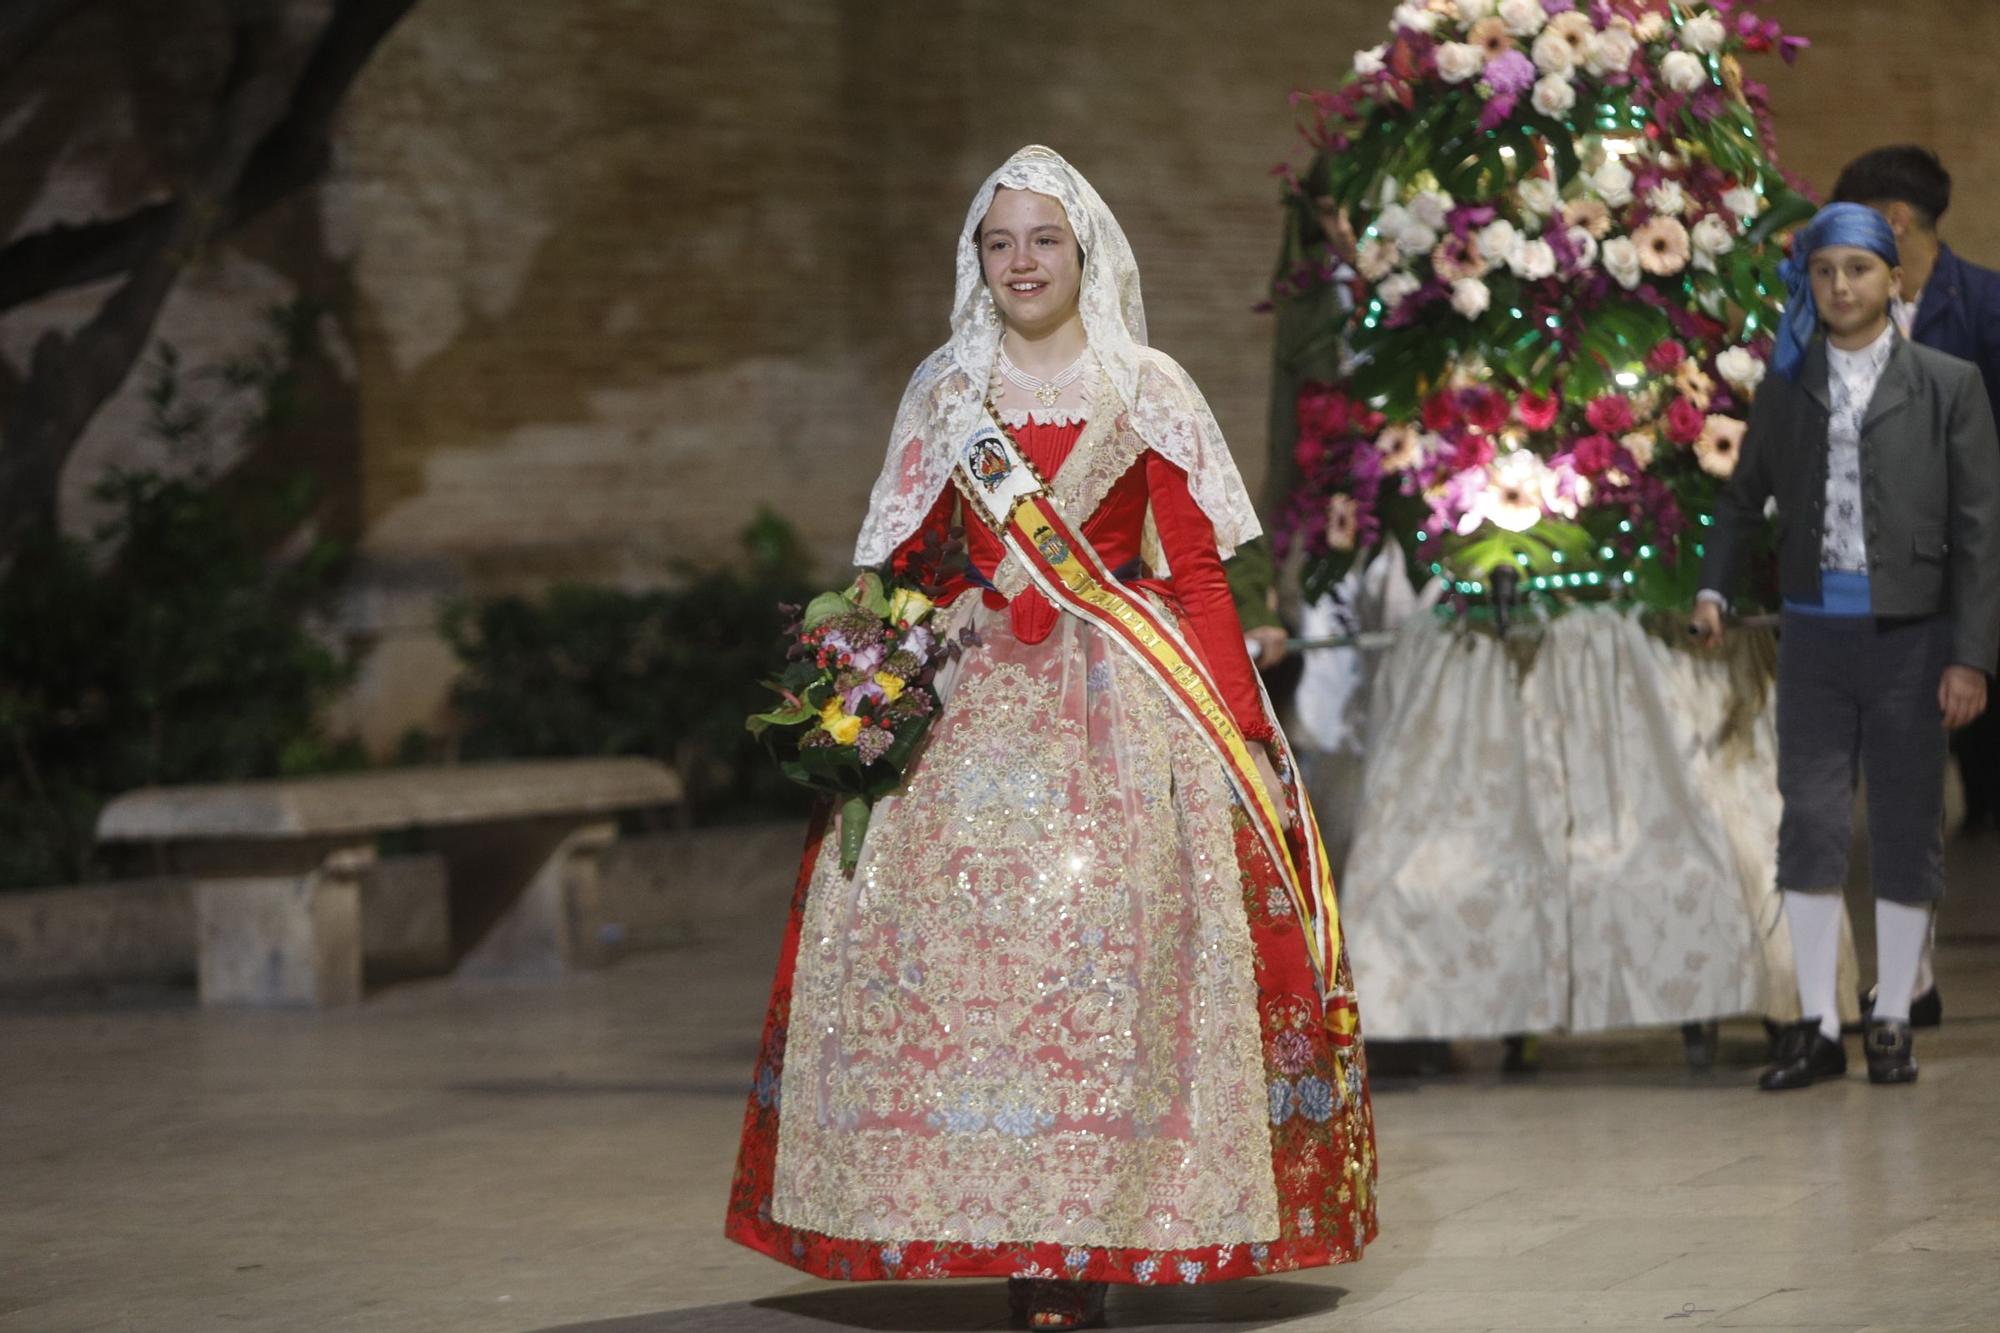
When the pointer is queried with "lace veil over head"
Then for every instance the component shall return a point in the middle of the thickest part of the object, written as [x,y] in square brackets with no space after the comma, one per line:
[946,396]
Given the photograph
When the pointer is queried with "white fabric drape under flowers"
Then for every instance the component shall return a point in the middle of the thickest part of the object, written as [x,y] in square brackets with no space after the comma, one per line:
[1571,837]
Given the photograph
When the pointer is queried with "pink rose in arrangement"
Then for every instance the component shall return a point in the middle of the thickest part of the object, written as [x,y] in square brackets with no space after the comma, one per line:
[1684,422]
[1610,414]
[1666,357]
[1537,411]
[1593,455]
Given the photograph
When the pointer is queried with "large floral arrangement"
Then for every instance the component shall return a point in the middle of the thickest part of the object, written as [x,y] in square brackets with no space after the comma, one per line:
[1563,216]
[856,697]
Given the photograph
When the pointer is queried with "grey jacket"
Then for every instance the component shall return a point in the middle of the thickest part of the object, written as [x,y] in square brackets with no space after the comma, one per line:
[1930,482]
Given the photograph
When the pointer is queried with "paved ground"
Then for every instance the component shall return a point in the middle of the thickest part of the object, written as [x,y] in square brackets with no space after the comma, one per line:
[555,1157]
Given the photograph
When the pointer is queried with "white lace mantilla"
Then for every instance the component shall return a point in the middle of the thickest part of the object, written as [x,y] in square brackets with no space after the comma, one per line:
[947,394]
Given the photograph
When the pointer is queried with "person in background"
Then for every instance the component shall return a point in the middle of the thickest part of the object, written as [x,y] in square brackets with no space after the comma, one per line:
[1952,305]
[1882,459]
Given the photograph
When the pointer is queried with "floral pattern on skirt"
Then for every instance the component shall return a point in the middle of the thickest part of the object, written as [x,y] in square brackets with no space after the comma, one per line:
[1113,1071]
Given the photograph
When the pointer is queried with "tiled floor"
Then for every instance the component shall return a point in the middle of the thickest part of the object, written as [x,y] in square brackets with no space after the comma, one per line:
[555,1157]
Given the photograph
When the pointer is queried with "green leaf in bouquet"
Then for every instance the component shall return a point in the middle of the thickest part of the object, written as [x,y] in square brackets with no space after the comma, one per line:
[869,594]
[908,737]
[825,607]
[788,716]
[1787,208]
[853,832]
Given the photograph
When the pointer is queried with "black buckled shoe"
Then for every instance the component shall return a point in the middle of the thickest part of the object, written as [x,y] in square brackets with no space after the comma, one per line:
[1805,1056]
[1926,1011]
[1892,1055]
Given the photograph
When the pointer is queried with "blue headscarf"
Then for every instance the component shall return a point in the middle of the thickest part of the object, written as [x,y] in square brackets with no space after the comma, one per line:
[1836,224]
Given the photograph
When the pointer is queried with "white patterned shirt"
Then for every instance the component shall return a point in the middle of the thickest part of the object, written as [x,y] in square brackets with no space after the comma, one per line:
[1850,384]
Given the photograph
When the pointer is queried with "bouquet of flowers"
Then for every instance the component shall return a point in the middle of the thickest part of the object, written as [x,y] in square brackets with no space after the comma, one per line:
[1564,217]
[857,697]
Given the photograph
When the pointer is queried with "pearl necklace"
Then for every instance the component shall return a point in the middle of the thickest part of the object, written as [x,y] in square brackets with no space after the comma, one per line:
[1047,391]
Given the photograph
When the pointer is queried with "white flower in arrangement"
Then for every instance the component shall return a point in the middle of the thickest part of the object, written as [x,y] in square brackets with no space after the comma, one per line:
[1611,52]
[1666,197]
[1369,61]
[1474,10]
[1740,366]
[1432,208]
[1533,260]
[1554,95]
[1469,297]
[1538,196]
[1585,245]
[1459,61]
[1517,484]
[1553,54]
[1651,27]
[1704,33]
[1713,236]
[1524,18]
[1396,289]
[1392,221]
[1683,71]
[1744,202]
[1377,259]
[1417,18]
[1497,240]
[1613,183]
[1621,260]
[1639,444]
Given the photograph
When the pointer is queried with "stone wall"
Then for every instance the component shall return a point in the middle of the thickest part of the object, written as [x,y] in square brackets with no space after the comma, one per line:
[614,274]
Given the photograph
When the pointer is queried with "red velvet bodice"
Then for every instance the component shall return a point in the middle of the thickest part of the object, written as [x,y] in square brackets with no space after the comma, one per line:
[1198,589]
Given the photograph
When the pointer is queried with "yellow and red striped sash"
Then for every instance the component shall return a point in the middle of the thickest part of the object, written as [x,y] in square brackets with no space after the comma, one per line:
[1002,487]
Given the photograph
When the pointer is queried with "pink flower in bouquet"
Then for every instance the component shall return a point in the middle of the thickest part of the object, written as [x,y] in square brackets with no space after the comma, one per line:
[1324,411]
[1472,451]
[1490,35]
[1593,455]
[1537,411]
[1664,246]
[1307,451]
[1509,74]
[1486,410]
[1666,357]
[1719,445]
[1590,214]
[1457,257]
[1610,414]
[1694,384]
[1684,422]
[1343,522]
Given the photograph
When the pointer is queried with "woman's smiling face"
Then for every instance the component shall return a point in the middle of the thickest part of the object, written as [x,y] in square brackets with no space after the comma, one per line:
[1033,264]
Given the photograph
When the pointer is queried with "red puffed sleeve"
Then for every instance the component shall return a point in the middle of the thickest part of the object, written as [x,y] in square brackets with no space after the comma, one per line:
[1188,539]
[935,528]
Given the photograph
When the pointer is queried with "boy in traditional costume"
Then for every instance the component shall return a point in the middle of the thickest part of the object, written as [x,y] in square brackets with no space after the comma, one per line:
[1881,458]
[1081,1014]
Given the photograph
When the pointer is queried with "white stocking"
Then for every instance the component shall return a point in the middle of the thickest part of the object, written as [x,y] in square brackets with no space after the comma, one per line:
[1814,919]
[1901,930]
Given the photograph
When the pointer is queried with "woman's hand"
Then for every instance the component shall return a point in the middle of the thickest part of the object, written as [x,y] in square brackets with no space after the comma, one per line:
[1961,695]
[1267,772]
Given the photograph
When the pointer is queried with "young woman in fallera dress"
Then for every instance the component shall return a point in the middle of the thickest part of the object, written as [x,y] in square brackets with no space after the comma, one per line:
[1071,1021]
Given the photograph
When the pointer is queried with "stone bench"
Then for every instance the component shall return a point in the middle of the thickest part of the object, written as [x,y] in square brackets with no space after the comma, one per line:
[276,865]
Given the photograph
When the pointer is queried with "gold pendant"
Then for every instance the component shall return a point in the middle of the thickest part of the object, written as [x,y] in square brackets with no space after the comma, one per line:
[1047,394]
